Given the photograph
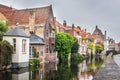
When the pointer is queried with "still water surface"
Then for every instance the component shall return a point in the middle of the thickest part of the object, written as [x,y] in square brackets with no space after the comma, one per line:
[54,71]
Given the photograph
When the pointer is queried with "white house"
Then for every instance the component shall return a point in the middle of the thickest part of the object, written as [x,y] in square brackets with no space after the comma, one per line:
[20,42]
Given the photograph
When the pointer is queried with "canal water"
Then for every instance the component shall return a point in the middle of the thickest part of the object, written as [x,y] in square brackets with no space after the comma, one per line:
[54,71]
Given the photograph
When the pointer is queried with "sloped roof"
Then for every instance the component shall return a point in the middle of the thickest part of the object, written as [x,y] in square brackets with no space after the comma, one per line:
[57,23]
[22,16]
[16,32]
[4,8]
[34,39]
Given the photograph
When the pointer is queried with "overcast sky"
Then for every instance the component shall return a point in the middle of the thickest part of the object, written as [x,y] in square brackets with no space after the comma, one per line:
[84,13]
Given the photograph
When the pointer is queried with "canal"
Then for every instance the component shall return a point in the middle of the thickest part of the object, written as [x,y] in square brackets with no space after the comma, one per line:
[54,71]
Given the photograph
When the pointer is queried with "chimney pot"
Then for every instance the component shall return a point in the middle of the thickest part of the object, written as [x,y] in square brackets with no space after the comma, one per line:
[64,23]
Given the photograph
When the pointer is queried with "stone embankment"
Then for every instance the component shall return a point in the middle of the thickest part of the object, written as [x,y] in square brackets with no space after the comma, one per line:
[110,70]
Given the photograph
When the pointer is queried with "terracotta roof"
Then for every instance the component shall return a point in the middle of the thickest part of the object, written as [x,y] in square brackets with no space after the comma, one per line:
[77,29]
[89,35]
[22,16]
[2,16]
[4,8]
[83,33]
[57,23]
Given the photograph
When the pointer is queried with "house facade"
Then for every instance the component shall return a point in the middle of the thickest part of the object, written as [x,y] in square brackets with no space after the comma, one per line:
[37,44]
[81,36]
[98,36]
[20,42]
[39,21]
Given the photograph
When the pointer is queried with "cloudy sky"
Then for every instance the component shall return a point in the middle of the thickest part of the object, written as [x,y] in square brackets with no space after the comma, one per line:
[84,13]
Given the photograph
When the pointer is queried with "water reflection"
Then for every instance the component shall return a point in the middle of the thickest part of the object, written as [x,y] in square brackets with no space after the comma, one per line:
[55,71]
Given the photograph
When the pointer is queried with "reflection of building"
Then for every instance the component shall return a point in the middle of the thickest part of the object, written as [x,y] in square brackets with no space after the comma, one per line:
[21,74]
[46,72]
[83,73]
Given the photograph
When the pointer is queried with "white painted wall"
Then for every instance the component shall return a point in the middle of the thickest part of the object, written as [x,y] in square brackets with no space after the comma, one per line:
[19,56]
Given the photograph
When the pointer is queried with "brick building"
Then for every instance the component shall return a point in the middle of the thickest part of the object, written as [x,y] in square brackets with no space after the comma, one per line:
[39,21]
[98,36]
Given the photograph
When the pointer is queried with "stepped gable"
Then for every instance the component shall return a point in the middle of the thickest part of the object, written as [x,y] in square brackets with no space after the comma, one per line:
[97,30]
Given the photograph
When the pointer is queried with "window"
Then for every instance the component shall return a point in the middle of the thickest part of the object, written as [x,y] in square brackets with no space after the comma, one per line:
[14,45]
[41,50]
[52,34]
[46,48]
[23,45]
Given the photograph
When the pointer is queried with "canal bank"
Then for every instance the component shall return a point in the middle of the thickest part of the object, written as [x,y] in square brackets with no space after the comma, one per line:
[110,69]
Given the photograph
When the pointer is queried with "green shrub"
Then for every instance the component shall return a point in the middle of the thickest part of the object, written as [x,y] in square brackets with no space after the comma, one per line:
[34,62]
[77,58]
[37,62]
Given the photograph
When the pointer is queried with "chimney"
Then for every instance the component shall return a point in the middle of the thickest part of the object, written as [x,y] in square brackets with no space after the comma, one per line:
[96,26]
[105,34]
[32,21]
[85,30]
[73,30]
[73,26]
[64,23]
[79,27]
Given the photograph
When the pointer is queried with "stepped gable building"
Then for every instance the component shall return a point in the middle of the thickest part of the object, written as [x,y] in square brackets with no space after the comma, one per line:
[40,21]
[98,36]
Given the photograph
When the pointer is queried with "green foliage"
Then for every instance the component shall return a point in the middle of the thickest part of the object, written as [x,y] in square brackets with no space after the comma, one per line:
[77,58]
[75,47]
[34,62]
[63,72]
[91,46]
[35,53]
[6,51]
[3,27]
[63,44]
[99,48]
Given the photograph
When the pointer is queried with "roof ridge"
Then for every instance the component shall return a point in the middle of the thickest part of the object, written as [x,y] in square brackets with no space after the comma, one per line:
[5,6]
[29,9]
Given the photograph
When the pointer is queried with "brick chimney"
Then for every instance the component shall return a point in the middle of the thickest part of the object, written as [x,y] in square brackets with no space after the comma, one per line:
[105,34]
[96,26]
[64,23]
[32,21]
[73,29]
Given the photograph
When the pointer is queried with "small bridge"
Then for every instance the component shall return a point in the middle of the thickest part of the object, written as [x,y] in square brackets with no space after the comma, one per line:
[112,51]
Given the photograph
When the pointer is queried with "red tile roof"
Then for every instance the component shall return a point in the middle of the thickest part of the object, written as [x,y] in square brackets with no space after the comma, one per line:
[5,8]
[83,33]
[22,16]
